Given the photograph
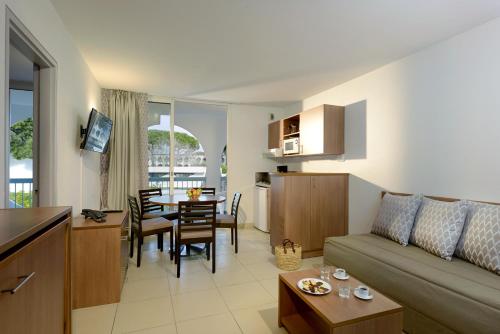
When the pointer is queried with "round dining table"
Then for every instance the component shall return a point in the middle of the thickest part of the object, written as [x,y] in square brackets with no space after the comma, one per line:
[173,200]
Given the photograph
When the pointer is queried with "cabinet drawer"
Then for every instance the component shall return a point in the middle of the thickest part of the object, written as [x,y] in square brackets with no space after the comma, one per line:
[32,298]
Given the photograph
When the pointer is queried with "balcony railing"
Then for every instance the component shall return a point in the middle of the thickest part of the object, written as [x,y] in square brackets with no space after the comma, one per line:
[180,182]
[21,193]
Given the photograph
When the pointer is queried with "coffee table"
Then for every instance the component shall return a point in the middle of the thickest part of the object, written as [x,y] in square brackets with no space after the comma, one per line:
[303,313]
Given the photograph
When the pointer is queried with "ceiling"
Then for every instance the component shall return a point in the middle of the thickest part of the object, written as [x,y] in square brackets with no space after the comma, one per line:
[256,51]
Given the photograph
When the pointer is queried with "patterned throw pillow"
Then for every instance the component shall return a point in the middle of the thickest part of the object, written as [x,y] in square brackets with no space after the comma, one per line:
[396,216]
[480,240]
[438,226]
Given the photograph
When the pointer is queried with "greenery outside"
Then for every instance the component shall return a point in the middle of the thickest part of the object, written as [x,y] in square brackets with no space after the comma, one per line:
[21,139]
[20,199]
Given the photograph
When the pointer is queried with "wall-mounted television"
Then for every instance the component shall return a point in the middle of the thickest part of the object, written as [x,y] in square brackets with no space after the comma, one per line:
[96,136]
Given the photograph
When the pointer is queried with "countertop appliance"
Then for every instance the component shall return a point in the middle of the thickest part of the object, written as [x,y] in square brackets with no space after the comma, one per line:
[291,146]
[261,201]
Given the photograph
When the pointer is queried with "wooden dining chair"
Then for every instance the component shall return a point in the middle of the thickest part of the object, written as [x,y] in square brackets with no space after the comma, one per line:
[207,191]
[144,227]
[230,220]
[150,210]
[195,225]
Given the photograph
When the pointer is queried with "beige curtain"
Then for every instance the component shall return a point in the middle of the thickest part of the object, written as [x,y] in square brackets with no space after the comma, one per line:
[124,168]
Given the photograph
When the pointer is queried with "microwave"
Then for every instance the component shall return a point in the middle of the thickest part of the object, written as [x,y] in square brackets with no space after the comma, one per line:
[291,146]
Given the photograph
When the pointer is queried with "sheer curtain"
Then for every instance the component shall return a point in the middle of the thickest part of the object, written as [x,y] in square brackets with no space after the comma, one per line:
[124,169]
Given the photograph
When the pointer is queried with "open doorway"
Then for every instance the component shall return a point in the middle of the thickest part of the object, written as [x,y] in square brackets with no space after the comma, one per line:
[28,165]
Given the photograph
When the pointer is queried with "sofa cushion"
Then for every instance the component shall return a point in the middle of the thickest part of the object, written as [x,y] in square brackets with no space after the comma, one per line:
[443,291]
[480,240]
[438,226]
[396,216]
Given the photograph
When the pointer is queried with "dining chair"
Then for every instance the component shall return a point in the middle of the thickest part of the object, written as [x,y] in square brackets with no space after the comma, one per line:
[150,210]
[230,220]
[207,191]
[195,225]
[144,227]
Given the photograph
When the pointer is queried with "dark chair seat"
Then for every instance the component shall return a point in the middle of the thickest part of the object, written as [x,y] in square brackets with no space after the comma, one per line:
[156,224]
[225,219]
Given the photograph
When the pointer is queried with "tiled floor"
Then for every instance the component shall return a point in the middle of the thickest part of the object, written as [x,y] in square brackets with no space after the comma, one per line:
[241,297]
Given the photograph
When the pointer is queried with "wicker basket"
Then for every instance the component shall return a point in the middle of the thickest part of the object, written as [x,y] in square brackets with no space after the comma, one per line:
[288,255]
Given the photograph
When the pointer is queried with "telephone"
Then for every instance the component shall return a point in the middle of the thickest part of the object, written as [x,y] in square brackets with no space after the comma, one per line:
[97,216]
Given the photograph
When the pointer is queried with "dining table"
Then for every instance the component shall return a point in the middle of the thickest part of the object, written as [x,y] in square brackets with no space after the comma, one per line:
[173,201]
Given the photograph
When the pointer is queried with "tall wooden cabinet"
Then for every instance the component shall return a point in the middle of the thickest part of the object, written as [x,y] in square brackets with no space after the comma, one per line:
[308,207]
[34,271]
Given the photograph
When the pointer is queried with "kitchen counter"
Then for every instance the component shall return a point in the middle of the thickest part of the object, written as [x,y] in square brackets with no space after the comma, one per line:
[305,174]
[19,225]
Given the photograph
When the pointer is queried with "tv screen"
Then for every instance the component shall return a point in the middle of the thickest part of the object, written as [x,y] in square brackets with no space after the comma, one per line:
[98,132]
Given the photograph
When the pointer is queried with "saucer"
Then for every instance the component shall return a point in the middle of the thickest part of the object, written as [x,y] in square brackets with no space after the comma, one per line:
[356,293]
[342,278]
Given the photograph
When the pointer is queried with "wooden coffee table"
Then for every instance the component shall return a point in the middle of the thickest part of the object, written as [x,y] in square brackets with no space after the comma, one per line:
[303,313]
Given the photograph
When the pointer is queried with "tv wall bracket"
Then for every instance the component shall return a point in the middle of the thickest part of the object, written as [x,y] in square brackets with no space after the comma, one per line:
[83,131]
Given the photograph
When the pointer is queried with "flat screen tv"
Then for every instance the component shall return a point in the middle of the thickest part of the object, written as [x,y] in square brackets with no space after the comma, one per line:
[96,136]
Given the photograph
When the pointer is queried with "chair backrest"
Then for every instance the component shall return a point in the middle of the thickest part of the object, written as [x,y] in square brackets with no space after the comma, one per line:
[207,191]
[235,205]
[145,195]
[135,212]
[196,215]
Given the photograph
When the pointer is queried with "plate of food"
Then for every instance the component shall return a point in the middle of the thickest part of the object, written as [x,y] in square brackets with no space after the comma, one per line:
[314,286]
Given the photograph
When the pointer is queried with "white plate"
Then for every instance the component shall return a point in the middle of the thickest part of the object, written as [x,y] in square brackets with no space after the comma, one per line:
[342,278]
[356,293]
[302,283]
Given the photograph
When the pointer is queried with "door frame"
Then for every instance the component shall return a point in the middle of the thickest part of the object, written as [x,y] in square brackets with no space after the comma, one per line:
[20,36]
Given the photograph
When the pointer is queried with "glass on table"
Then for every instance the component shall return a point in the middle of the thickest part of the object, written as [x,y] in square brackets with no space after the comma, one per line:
[325,272]
[344,290]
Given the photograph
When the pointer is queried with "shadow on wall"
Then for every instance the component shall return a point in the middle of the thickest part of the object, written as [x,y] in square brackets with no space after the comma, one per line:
[364,202]
[355,131]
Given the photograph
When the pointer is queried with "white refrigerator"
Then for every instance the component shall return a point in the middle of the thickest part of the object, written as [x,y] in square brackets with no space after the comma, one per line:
[261,207]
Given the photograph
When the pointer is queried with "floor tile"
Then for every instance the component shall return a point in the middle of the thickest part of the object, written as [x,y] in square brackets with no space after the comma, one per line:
[190,282]
[245,295]
[263,270]
[261,320]
[169,329]
[218,324]
[145,314]
[145,289]
[224,261]
[94,320]
[145,271]
[198,304]
[255,257]
[225,277]
[271,286]
[188,265]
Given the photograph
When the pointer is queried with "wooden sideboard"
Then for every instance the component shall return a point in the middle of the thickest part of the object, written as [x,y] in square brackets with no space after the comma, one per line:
[307,208]
[35,288]
[99,259]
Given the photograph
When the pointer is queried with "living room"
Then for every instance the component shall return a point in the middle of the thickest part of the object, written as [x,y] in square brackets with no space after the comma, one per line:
[396,181]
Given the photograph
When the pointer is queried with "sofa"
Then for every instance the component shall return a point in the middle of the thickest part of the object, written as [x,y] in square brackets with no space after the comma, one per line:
[438,296]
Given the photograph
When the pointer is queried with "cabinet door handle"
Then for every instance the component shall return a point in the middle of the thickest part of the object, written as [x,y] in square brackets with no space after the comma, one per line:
[25,280]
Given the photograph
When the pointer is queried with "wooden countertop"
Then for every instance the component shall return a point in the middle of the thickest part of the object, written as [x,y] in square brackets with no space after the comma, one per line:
[113,219]
[305,174]
[17,225]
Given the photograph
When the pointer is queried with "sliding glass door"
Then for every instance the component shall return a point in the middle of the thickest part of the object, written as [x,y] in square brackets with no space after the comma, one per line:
[189,137]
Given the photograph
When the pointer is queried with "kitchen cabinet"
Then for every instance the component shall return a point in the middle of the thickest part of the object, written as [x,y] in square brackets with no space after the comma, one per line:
[34,271]
[307,208]
[274,134]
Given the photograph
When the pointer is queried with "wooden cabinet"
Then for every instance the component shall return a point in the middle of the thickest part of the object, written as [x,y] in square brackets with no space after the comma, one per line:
[320,131]
[274,134]
[34,277]
[100,259]
[306,208]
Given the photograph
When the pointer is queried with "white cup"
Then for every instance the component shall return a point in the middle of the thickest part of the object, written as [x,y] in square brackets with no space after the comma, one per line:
[340,272]
[363,291]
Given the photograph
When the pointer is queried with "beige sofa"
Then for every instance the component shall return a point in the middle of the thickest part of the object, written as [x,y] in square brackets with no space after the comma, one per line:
[439,296]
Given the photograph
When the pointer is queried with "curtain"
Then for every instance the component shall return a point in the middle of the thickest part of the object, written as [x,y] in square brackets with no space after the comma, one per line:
[124,167]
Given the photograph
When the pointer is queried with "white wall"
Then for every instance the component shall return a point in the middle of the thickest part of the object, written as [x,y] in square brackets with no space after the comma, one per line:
[246,142]
[77,92]
[429,123]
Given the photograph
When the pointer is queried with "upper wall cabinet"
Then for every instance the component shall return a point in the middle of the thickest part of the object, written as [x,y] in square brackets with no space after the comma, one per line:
[319,131]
